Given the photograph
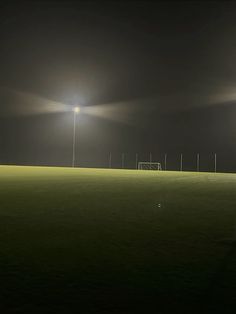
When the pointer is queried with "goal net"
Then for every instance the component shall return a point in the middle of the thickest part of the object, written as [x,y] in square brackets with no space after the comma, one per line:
[146,165]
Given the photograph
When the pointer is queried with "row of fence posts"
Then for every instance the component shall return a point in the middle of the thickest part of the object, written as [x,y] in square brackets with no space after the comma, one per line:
[165,161]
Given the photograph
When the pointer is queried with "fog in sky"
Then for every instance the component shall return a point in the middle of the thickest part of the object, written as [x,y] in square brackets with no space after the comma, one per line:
[150,77]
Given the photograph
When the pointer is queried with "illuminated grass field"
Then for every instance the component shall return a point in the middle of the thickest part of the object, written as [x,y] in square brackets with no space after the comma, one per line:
[116,241]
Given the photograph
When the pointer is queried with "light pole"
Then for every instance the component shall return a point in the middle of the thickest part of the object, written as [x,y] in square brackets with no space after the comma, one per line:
[76,112]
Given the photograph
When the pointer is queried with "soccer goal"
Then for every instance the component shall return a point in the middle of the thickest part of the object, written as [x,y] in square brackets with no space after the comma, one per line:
[147,165]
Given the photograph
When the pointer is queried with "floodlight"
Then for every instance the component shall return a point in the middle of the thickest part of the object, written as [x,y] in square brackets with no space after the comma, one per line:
[77,109]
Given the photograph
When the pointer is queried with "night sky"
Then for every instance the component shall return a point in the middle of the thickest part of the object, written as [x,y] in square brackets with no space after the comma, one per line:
[151,77]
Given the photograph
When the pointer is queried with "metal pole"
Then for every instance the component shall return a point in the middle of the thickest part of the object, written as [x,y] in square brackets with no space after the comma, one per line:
[215,163]
[136,161]
[123,160]
[74,134]
[165,161]
[198,162]
[109,160]
[181,162]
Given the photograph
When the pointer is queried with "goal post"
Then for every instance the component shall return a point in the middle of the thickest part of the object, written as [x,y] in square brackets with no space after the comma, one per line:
[147,165]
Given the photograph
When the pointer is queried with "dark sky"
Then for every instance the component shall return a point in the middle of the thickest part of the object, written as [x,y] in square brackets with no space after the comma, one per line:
[161,75]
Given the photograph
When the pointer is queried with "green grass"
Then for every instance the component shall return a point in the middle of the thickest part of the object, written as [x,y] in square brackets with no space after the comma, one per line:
[96,241]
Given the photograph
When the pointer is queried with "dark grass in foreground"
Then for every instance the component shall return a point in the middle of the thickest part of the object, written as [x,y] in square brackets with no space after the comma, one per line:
[116,241]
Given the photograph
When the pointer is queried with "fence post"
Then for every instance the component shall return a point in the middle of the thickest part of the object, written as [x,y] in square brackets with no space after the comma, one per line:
[136,160]
[165,161]
[110,160]
[123,160]
[198,162]
[215,163]
[181,162]
[150,160]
